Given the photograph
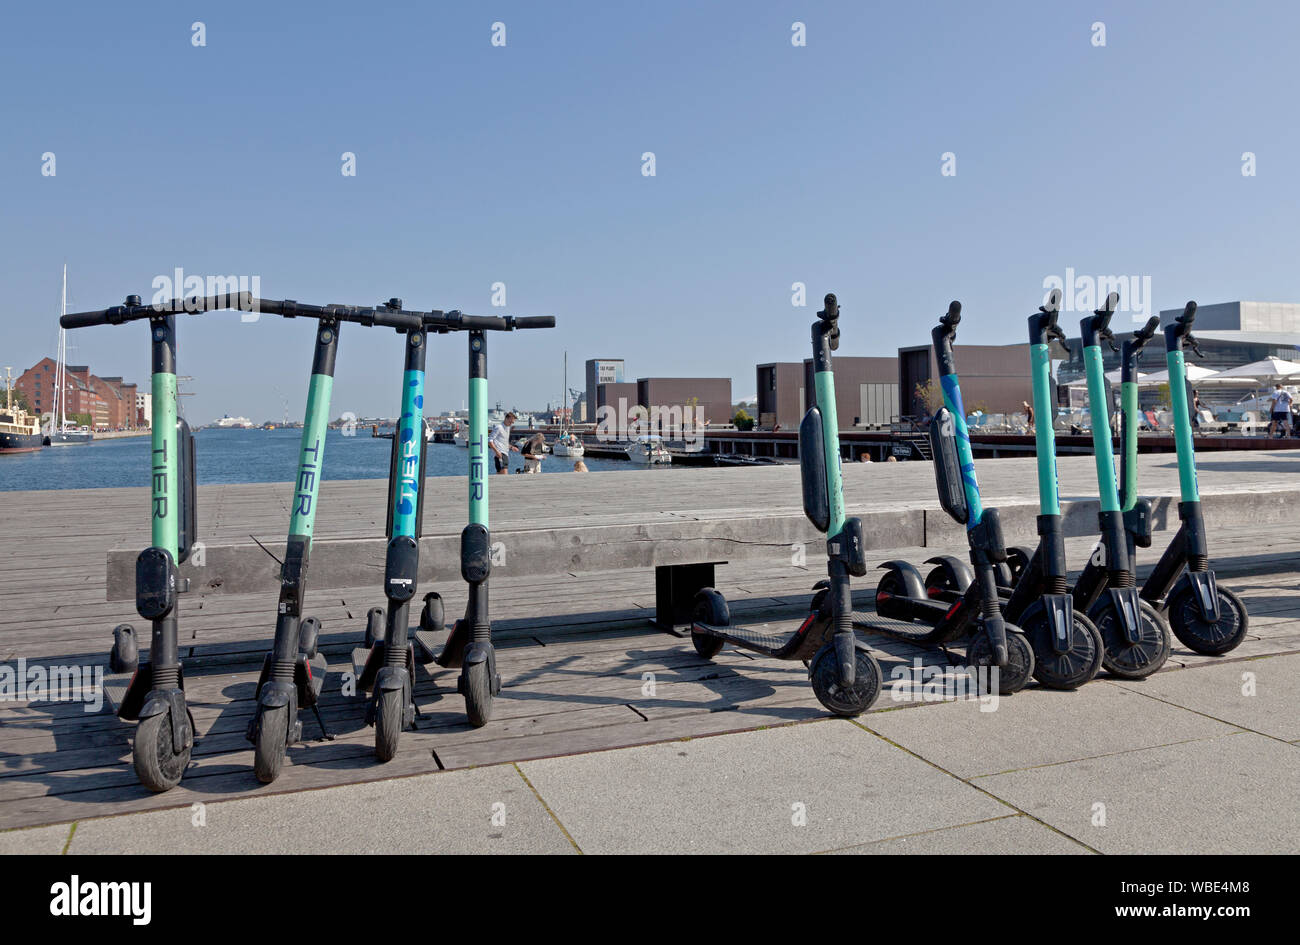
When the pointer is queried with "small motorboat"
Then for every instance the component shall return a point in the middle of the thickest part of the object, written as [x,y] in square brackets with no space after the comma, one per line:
[649,450]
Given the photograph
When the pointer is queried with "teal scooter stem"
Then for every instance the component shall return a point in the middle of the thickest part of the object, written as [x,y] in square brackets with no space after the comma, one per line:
[1068,649]
[1205,617]
[469,646]
[1136,639]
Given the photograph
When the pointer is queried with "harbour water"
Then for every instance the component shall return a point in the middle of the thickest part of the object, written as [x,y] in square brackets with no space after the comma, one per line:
[239,455]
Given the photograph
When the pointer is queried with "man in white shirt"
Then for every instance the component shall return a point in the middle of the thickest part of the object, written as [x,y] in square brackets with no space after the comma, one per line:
[1281,411]
[499,443]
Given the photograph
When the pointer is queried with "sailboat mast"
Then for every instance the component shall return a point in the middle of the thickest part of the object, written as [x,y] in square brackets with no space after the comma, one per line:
[60,368]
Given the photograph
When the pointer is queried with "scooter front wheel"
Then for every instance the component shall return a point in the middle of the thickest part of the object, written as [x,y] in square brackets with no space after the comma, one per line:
[1078,664]
[269,742]
[1020,659]
[478,694]
[388,723]
[1209,637]
[1131,660]
[158,764]
[845,701]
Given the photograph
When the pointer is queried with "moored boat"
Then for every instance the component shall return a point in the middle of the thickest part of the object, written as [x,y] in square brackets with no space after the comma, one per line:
[19,433]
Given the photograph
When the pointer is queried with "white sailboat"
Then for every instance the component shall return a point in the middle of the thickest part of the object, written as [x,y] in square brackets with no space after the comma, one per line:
[57,431]
[567,443]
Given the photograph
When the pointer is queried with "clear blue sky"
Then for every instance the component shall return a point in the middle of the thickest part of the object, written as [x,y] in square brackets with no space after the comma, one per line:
[522,164]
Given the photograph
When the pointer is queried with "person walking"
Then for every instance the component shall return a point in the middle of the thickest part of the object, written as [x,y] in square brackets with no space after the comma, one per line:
[499,443]
[1281,417]
[1196,411]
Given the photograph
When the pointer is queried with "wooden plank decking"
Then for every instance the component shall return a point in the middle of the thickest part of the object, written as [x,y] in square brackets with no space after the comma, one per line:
[575,648]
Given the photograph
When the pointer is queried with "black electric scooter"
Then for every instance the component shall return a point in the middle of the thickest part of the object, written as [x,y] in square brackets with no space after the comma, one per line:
[902,600]
[293,673]
[1205,617]
[469,647]
[385,665]
[153,693]
[845,676]
[1135,636]
[1067,647]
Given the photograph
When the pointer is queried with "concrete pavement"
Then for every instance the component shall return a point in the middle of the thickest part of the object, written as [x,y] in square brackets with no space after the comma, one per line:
[1203,760]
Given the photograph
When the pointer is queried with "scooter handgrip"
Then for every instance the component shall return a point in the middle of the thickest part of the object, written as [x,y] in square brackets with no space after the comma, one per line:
[535,321]
[84,319]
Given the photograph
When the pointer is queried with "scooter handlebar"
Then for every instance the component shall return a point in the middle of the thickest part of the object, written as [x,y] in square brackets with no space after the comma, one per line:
[830,308]
[953,316]
[533,321]
[1147,331]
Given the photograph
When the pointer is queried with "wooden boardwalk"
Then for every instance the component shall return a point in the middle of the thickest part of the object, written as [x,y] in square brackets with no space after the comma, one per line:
[582,671]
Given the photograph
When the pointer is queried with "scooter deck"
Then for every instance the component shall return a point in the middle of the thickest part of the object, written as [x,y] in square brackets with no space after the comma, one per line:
[919,634]
[802,644]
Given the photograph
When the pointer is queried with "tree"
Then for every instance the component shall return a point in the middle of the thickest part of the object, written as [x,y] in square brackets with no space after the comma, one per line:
[743,420]
[929,395]
[20,399]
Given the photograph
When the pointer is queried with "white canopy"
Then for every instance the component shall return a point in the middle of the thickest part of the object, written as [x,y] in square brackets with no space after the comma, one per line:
[1266,370]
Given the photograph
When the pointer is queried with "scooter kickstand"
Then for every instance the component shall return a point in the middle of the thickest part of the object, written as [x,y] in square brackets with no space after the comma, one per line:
[325,733]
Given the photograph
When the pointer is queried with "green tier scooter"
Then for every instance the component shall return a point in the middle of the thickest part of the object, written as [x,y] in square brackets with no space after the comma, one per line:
[1136,637]
[153,694]
[1068,648]
[293,673]
[1205,617]
[469,647]
[385,665]
[844,674]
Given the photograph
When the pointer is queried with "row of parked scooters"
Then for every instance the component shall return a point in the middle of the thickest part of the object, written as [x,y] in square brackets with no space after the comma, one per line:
[1013,608]
[293,672]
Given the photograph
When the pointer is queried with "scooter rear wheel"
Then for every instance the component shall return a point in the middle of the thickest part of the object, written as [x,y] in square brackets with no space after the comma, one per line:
[1132,660]
[374,626]
[1211,638]
[309,636]
[388,723]
[824,674]
[269,742]
[940,579]
[711,608]
[158,764]
[125,655]
[1020,659]
[432,616]
[478,694]
[1077,665]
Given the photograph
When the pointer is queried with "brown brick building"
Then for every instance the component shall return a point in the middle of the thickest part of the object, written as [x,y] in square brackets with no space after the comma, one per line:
[110,402]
